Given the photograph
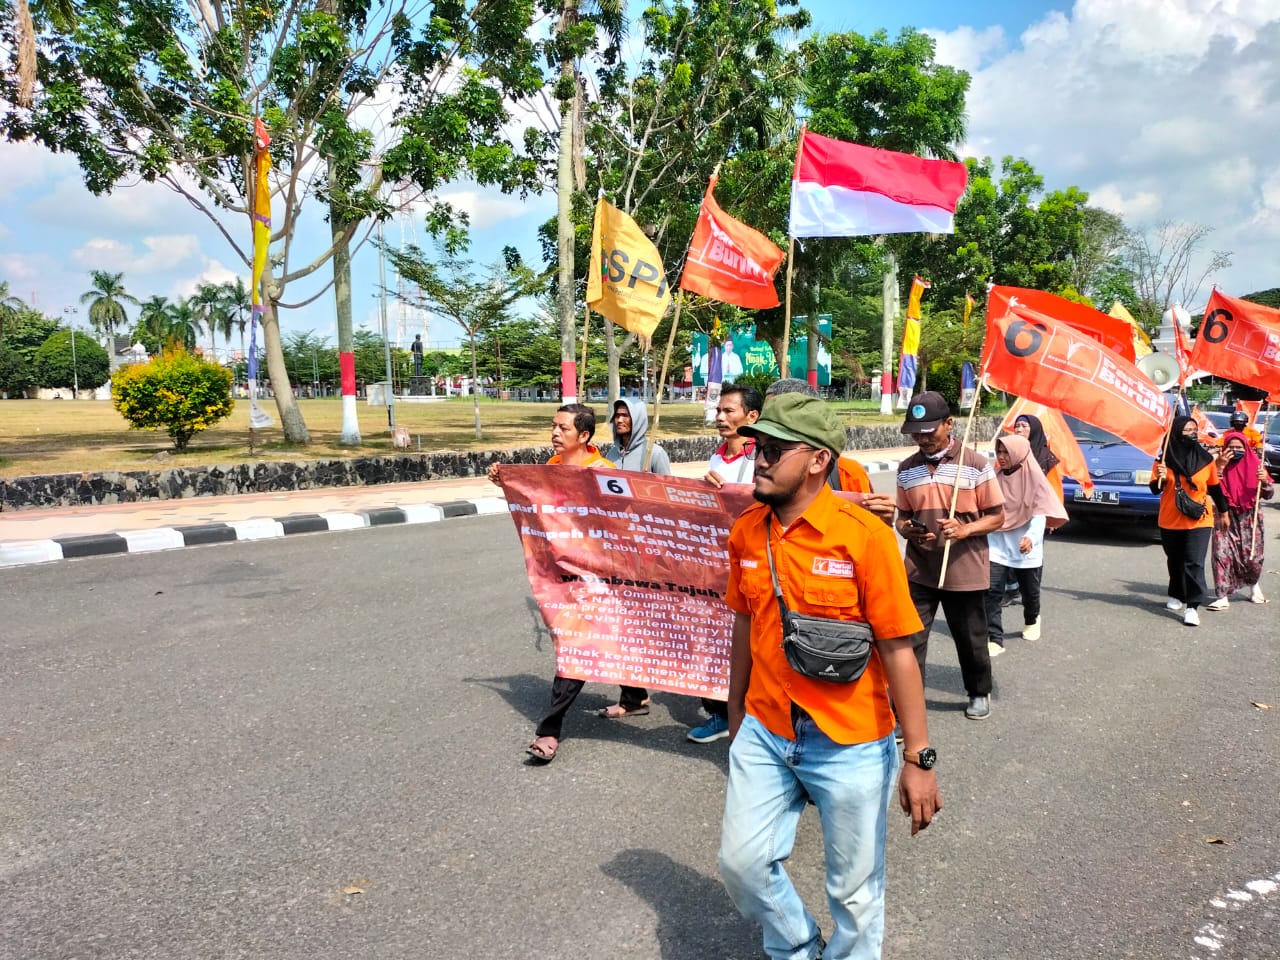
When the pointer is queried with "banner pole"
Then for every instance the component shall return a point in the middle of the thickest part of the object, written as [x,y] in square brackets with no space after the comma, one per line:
[1257,495]
[582,370]
[955,487]
[662,380]
[784,361]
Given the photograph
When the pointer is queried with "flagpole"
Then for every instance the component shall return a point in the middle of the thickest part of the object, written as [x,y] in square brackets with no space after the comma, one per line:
[1257,496]
[959,462]
[582,373]
[784,361]
[662,380]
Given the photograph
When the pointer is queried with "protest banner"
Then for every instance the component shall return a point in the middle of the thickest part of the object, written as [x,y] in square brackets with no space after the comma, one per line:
[1064,368]
[1239,340]
[629,571]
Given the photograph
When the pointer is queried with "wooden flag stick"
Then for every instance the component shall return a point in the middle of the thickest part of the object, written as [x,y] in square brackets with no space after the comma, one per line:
[955,487]
[1257,496]
[662,380]
[784,365]
[582,370]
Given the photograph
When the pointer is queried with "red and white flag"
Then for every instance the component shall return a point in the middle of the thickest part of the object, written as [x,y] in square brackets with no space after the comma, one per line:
[843,189]
[729,261]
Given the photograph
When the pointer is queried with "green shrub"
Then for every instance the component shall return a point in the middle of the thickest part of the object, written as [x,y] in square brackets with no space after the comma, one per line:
[56,366]
[15,372]
[176,391]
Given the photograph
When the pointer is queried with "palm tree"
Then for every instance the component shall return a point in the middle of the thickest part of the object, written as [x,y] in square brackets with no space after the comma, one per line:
[236,301]
[10,306]
[106,301]
[209,304]
[184,325]
[154,321]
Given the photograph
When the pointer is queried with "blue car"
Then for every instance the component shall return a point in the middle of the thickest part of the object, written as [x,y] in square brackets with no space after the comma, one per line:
[1120,473]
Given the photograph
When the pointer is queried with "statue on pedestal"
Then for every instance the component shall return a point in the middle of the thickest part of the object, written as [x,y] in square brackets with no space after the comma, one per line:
[417,355]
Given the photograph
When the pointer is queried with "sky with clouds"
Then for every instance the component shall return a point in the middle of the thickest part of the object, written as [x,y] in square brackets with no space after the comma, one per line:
[1160,109]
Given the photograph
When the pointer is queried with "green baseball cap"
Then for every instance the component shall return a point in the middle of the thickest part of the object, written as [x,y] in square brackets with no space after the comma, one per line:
[798,418]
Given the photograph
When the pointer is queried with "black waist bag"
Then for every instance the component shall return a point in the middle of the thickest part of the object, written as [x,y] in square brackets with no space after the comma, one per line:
[1187,506]
[818,647]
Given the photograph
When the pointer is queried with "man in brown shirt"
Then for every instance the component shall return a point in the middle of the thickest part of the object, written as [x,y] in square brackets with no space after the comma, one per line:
[925,483]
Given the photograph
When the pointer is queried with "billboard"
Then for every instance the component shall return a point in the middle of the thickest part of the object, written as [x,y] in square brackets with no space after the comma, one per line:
[741,353]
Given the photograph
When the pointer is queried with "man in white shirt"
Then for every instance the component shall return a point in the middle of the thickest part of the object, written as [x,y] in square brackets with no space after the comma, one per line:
[739,405]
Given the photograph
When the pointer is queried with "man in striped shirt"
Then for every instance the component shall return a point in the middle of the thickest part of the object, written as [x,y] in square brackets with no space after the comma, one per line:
[926,481]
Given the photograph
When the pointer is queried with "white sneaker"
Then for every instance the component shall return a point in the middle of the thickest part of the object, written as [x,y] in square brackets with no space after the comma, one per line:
[1031,631]
[994,649]
[1173,604]
[1220,604]
[1255,595]
[1191,618]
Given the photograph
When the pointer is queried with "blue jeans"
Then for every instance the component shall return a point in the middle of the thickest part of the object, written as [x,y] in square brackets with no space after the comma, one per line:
[770,779]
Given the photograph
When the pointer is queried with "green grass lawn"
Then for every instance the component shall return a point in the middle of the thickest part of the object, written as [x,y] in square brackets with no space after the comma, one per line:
[65,436]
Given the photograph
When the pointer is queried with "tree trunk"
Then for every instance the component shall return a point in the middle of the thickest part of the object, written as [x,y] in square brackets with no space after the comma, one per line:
[779,355]
[475,384]
[566,299]
[889,313]
[291,422]
[342,298]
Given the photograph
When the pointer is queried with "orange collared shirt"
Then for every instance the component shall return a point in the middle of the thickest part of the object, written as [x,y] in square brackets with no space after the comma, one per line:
[836,560]
[594,460]
[1170,517]
[853,476]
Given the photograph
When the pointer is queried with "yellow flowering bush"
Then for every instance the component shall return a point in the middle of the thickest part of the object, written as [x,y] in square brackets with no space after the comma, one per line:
[176,391]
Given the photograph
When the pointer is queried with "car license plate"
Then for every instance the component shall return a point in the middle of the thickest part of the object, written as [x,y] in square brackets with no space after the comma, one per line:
[1099,496]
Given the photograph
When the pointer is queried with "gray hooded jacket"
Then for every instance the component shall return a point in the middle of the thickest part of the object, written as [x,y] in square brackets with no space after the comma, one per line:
[633,456]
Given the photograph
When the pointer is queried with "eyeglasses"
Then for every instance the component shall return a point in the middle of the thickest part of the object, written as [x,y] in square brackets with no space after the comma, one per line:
[770,451]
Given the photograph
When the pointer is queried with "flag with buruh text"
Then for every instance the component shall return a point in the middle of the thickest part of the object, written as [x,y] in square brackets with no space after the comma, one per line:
[1057,434]
[729,261]
[841,189]
[1057,365]
[1111,332]
[1240,341]
[625,281]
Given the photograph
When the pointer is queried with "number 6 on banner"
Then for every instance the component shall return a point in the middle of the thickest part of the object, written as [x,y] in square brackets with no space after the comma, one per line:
[616,486]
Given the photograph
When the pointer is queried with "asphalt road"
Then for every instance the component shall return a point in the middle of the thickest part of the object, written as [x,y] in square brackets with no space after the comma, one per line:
[313,747]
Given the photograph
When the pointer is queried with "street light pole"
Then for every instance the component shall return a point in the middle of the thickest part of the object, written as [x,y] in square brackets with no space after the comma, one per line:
[386,343]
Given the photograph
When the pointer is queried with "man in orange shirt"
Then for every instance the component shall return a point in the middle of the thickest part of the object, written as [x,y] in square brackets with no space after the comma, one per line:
[794,737]
[571,431]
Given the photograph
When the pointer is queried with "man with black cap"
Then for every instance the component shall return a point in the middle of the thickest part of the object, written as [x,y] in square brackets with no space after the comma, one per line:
[795,736]
[926,482]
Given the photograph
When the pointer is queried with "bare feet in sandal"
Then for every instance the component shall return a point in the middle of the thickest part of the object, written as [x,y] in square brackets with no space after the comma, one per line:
[617,711]
[543,749]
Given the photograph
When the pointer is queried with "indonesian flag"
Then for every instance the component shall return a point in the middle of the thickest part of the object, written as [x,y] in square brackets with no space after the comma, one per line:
[1239,340]
[729,261]
[1112,332]
[843,189]
[1057,434]
[1059,366]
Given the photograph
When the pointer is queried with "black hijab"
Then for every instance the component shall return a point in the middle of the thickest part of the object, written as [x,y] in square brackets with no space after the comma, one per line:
[1185,457]
[1039,442]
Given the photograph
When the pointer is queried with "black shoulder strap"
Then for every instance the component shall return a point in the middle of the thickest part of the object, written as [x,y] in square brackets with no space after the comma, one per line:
[833,474]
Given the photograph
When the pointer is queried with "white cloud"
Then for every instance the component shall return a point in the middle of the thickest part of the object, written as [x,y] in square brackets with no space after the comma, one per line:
[162,254]
[1161,110]
[19,266]
[967,48]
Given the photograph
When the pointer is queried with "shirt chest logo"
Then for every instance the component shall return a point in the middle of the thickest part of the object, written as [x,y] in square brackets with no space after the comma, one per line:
[749,564]
[830,567]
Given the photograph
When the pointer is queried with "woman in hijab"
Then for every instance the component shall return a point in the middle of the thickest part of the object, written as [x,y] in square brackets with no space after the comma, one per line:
[1032,429]
[1190,468]
[1017,548]
[1243,479]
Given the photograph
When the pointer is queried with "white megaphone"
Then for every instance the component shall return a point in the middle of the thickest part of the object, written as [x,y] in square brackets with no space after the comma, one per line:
[1160,368]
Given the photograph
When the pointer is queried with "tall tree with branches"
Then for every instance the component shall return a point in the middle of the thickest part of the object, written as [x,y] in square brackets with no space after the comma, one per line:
[355,96]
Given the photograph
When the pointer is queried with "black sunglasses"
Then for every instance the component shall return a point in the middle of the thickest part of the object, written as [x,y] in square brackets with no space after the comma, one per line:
[771,451]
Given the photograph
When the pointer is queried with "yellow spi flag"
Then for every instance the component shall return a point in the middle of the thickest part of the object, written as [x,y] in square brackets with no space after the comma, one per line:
[1141,342]
[625,282]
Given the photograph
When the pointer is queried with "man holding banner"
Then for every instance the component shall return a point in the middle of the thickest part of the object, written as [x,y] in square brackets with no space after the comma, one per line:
[798,737]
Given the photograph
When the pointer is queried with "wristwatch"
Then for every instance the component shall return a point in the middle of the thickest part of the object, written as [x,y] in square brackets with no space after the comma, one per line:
[925,759]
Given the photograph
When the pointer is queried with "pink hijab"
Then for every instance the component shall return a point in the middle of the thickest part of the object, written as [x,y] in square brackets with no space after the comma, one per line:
[1027,493]
[1239,479]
